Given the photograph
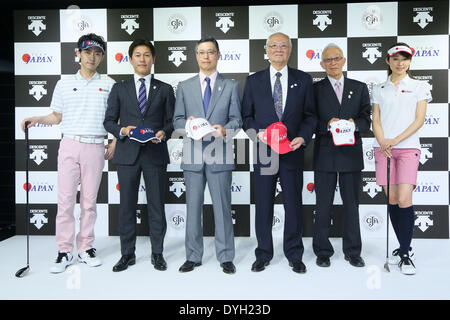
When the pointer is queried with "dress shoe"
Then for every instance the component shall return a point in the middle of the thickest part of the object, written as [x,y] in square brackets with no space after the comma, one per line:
[125,261]
[322,261]
[189,266]
[228,267]
[259,265]
[297,266]
[159,262]
[355,261]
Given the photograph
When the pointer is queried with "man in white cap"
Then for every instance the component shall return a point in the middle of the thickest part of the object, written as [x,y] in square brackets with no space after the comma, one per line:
[79,103]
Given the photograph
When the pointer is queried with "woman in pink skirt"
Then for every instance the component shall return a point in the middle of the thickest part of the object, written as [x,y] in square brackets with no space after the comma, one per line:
[399,108]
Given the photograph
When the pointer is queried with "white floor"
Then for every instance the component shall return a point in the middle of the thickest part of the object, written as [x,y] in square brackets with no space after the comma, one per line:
[142,281]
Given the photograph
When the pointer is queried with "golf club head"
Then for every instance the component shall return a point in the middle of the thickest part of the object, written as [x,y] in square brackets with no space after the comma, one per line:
[386,267]
[22,272]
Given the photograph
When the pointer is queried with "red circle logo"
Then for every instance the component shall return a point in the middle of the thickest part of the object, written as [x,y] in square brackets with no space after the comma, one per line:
[117,187]
[25,186]
[26,58]
[337,130]
[194,128]
[119,57]
[310,187]
[310,54]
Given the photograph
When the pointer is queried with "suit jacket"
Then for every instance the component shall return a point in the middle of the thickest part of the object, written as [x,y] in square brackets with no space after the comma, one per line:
[224,109]
[258,110]
[355,105]
[123,105]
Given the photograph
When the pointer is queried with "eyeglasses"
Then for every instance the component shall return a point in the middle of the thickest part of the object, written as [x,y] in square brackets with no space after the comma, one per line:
[206,53]
[278,46]
[329,60]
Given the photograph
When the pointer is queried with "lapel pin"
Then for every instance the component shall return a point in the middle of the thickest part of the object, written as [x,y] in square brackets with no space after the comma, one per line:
[220,88]
[154,87]
[292,86]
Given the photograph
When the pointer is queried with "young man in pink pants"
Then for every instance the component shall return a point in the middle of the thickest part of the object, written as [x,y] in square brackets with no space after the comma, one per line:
[79,103]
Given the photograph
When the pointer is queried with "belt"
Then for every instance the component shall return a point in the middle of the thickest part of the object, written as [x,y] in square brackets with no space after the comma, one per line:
[86,139]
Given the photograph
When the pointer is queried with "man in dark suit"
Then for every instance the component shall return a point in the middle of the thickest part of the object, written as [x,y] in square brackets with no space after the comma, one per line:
[279,93]
[141,101]
[338,98]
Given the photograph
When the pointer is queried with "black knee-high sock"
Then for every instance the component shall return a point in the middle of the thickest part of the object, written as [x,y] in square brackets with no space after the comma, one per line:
[406,228]
[394,216]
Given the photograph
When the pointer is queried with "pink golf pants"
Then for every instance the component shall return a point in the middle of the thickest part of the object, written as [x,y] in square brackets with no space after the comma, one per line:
[78,163]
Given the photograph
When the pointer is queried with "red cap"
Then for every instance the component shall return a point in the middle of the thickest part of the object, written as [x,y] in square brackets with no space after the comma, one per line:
[276,137]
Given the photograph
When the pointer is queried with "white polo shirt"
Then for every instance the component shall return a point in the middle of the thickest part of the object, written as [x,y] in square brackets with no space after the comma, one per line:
[82,104]
[398,106]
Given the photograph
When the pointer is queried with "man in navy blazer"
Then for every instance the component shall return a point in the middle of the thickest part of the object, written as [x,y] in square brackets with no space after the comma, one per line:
[338,97]
[141,101]
[279,93]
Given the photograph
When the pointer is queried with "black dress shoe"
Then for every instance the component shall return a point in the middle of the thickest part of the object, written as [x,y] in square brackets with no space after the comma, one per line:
[259,265]
[297,266]
[228,267]
[323,261]
[189,266]
[125,261]
[159,262]
[355,261]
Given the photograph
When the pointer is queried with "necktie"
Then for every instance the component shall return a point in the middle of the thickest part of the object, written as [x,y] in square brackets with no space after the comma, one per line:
[207,95]
[142,99]
[338,90]
[278,96]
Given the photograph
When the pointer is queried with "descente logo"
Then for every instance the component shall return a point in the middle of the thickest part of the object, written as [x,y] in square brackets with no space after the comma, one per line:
[36,58]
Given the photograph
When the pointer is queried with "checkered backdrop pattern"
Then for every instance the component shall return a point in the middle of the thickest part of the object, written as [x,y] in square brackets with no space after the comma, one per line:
[45,41]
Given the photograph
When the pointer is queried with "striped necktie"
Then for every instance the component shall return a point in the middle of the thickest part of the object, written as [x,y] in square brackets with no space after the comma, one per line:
[142,99]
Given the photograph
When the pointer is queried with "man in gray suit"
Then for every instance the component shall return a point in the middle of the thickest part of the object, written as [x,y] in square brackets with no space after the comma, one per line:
[211,96]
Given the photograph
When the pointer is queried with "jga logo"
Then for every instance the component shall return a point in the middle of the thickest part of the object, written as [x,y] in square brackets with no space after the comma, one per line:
[178,219]
[273,21]
[371,18]
[372,221]
[176,23]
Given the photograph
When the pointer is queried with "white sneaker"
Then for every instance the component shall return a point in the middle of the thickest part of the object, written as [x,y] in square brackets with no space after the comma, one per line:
[90,258]
[406,265]
[63,260]
[395,258]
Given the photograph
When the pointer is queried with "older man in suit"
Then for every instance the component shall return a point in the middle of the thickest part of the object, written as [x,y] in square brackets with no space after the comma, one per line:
[338,97]
[279,93]
[211,96]
[146,102]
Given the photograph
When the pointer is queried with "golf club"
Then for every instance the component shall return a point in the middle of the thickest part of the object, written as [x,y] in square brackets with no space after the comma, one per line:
[386,265]
[22,272]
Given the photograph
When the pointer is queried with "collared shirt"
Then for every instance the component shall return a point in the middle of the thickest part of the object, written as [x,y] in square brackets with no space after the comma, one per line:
[138,84]
[398,104]
[82,103]
[283,80]
[202,77]
[333,82]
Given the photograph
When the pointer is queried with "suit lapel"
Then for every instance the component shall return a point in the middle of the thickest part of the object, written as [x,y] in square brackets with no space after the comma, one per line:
[152,92]
[346,92]
[131,89]
[197,93]
[293,85]
[332,97]
[266,91]
[217,92]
